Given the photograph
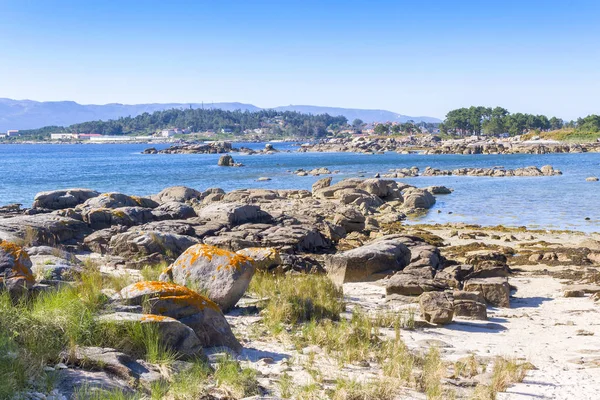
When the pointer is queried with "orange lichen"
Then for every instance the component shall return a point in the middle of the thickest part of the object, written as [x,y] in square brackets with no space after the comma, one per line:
[153,318]
[137,199]
[231,260]
[20,258]
[178,294]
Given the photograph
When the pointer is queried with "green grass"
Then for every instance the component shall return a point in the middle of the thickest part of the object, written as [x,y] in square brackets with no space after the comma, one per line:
[294,299]
[239,382]
[190,384]
[152,272]
[566,135]
[346,389]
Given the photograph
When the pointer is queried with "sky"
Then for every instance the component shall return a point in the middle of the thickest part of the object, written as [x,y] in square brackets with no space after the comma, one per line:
[412,57]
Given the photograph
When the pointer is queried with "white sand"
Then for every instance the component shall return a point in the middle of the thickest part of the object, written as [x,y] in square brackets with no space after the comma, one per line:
[541,327]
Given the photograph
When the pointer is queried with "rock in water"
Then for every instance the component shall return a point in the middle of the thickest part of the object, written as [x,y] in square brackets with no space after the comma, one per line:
[186,306]
[437,307]
[15,269]
[226,161]
[592,179]
[418,199]
[222,275]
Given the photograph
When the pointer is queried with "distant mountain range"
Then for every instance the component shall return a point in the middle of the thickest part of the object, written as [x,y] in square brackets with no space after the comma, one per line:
[29,114]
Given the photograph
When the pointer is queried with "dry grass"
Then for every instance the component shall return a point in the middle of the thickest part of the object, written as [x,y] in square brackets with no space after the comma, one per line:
[294,299]
[505,372]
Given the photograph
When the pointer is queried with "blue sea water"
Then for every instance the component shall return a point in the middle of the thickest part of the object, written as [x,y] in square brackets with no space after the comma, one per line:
[558,202]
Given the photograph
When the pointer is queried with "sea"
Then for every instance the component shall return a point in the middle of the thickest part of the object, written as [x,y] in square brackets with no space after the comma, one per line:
[556,202]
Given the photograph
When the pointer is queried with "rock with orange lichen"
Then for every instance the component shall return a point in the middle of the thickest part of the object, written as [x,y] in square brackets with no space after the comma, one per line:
[15,269]
[186,306]
[263,258]
[173,334]
[222,275]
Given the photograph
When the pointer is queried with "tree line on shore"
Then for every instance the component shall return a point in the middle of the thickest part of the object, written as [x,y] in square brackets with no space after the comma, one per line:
[276,123]
[496,121]
[459,122]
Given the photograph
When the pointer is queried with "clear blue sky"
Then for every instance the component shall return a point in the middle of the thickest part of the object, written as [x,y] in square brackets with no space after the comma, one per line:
[411,57]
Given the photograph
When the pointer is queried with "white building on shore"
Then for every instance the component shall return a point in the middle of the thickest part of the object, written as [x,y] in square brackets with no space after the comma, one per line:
[63,136]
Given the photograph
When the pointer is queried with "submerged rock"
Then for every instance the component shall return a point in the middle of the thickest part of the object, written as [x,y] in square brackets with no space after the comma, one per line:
[226,161]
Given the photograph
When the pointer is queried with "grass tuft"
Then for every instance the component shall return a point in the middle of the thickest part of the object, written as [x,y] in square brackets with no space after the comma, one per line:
[293,299]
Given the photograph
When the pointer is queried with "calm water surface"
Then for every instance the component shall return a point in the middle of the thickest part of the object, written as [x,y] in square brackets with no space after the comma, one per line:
[560,202]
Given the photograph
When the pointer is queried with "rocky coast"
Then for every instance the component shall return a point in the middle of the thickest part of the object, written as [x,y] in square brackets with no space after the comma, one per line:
[429,144]
[327,293]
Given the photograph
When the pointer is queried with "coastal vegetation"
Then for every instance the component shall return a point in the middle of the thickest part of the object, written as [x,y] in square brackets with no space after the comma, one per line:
[498,121]
[276,123]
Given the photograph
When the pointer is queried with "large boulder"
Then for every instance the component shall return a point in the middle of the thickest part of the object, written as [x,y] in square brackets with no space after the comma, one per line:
[173,334]
[117,200]
[222,275]
[44,229]
[469,305]
[99,241]
[225,161]
[350,219]
[321,183]
[59,199]
[495,291]
[179,194]
[186,306]
[173,210]
[437,307]
[367,263]
[297,237]
[15,269]
[141,243]
[418,199]
[102,218]
[487,264]
[232,214]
